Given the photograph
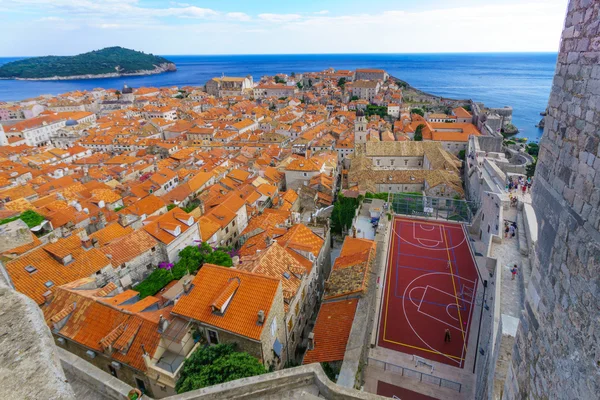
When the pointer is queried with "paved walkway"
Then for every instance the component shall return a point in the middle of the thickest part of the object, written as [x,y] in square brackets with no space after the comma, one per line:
[507,253]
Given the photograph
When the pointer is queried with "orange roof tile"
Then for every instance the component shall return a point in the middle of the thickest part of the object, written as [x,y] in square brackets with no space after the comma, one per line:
[331,331]
[255,293]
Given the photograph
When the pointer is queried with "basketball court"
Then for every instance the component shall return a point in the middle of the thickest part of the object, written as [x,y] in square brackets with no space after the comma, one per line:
[430,287]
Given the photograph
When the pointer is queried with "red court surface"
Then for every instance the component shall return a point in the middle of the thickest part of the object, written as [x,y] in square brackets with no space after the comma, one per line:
[397,392]
[430,286]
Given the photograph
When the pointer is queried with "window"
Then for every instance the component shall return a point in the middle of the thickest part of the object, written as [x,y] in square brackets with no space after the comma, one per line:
[233,222]
[391,162]
[274,327]
[305,174]
[112,371]
[31,269]
[405,162]
[49,284]
[227,230]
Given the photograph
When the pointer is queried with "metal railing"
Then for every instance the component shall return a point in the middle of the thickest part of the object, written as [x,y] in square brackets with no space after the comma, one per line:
[433,207]
[420,376]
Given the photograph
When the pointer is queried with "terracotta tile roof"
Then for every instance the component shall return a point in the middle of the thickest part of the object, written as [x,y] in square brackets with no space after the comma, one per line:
[110,232]
[255,293]
[128,247]
[148,206]
[277,263]
[331,331]
[90,322]
[51,273]
[350,271]
[300,237]
[159,225]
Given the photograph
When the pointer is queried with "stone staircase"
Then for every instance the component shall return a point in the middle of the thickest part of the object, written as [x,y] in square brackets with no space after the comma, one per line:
[523,244]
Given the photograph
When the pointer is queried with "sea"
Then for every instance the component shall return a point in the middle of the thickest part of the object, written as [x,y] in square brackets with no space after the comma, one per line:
[520,80]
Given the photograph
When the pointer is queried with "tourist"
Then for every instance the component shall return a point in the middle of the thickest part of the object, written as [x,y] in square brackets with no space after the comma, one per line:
[511,231]
[506,229]
[447,337]
[524,189]
[514,271]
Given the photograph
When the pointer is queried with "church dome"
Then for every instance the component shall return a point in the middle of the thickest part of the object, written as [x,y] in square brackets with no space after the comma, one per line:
[71,122]
[360,113]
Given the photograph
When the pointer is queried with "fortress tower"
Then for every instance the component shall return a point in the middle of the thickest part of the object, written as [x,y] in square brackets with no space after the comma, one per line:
[556,353]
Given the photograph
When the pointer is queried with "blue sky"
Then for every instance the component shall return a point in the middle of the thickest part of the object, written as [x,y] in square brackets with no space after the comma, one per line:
[62,27]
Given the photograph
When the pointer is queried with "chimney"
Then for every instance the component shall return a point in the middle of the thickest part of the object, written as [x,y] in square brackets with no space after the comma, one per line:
[261,317]
[95,242]
[187,285]
[163,324]
[48,297]
[311,341]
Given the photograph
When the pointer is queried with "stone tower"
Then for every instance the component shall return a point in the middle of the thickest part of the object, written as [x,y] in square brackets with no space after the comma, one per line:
[360,128]
[557,348]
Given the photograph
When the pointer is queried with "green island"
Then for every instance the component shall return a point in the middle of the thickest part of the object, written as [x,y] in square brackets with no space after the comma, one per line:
[104,63]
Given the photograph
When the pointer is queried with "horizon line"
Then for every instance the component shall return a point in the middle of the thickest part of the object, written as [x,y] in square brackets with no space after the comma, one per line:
[307,54]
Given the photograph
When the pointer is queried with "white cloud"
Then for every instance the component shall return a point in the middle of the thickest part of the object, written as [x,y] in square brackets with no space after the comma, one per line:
[50,19]
[533,25]
[280,17]
[238,16]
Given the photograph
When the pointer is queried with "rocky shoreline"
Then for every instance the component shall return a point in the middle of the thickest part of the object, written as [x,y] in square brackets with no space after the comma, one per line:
[166,67]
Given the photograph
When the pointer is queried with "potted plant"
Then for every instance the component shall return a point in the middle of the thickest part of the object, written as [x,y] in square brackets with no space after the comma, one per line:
[134,394]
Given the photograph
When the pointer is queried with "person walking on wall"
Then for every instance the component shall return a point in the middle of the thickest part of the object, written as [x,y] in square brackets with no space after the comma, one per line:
[514,271]
[447,337]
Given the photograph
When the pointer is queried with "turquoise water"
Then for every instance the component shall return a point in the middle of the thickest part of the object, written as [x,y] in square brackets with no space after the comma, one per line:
[521,80]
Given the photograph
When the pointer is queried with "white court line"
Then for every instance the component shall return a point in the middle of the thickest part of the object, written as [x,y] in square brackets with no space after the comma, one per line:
[468,326]
[429,230]
[425,247]
[424,227]
[411,326]
[437,319]
[411,298]
[448,311]
[450,294]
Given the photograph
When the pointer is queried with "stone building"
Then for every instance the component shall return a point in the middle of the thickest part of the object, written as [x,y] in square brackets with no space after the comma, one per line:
[556,351]
[227,305]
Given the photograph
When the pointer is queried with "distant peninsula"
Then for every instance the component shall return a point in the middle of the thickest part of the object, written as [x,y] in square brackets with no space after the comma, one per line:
[110,62]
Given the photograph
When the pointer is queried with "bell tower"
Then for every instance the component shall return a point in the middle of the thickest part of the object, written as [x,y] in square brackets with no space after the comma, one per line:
[360,127]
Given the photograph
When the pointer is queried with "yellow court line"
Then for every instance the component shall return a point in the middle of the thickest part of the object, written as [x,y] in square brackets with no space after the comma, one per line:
[422,349]
[387,282]
[455,294]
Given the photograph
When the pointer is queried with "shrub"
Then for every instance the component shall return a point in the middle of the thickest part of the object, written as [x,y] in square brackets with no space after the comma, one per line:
[418,111]
[158,279]
[30,217]
[212,365]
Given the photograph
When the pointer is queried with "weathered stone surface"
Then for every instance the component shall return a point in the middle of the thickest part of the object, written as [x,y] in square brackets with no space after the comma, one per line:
[556,350]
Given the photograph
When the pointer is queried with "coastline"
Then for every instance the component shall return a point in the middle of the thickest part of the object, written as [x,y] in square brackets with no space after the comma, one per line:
[161,68]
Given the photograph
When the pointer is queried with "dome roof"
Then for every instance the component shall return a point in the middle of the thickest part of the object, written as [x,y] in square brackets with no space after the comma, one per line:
[360,113]
[71,122]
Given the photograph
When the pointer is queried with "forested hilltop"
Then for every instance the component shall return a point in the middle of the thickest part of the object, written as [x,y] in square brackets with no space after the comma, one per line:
[111,61]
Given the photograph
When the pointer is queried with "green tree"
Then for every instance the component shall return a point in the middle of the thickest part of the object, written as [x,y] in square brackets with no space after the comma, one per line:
[461,155]
[341,82]
[419,133]
[213,365]
[530,169]
[279,80]
[118,94]
[299,84]
[343,213]
[418,111]
[171,206]
[219,257]
[310,83]
[353,98]
[293,74]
